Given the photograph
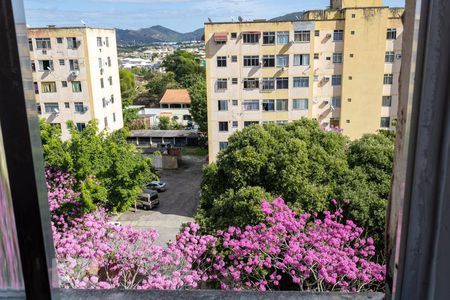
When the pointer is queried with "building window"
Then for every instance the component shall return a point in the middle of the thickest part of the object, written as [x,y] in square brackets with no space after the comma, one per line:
[48,87]
[283,61]
[221,61]
[72,43]
[301,82]
[250,38]
[66,105]
[282,104]
[105,120]
[223,126]
[223,146]
[59,40]
[222,84]
[33,66]
[391,34]
[251,61]
[302,36]
[185,117]
[251,83]
[222,105]
[387,101]
[268,105]
[36,87]
[109,61]
[234,58]
[234,80]
[43,43]
[30,44]
[99,42]
[233,35]
[74,66]
[300,104]
[336,80]
[235,102]
[39,108]
[110,80]
[81,126]
[268,83]
[336,101]
[51,107]
[385,122]
[45,65]
[282,37]
[389,57]
[337,58]
[112,99]
[388,79]
[250,105]
[269,38]
[338,35]
[61,62]
[317,33]
[79,108]
[104,102]
[268,61]
[102,83]
[64,84]
[250,123]
[100,63]
[301,59]
[107,41]
[316,55]
[282,83]
[76,86]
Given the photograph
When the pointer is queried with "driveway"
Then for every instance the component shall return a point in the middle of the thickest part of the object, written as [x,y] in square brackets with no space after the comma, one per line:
[177,204]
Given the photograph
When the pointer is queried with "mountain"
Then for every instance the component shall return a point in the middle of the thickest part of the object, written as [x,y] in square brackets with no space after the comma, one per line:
[289,17]
[156,34]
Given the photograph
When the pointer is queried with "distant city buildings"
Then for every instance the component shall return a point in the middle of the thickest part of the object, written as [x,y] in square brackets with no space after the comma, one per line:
[339,66]
[76,76]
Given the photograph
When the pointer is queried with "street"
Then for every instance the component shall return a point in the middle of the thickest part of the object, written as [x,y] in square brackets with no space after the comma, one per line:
[177,204]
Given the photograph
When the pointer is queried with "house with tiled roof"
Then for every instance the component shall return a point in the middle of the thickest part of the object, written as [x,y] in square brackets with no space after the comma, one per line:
[175,104]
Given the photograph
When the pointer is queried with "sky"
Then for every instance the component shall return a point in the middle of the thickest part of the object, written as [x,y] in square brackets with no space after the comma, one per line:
[179,15]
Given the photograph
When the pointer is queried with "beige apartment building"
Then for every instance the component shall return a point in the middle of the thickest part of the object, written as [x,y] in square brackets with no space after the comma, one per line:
[76,76]
[339,66]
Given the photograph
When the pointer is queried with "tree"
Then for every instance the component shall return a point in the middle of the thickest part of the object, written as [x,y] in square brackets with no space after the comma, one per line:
[199,109]
[182,64]
[303,164]
[165,123]
[158,83]
[111,171]
[127,85]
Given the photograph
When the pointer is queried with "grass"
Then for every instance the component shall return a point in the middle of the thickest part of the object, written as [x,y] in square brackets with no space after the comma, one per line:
[195,151]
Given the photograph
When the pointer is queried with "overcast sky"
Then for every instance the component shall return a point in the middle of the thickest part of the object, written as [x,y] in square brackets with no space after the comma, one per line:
[179,15]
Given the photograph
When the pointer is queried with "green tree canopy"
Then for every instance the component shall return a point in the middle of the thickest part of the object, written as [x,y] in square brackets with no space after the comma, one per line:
[199,109]
[306,166]
[182,64]
[112,171]
[158,83]
[127,85]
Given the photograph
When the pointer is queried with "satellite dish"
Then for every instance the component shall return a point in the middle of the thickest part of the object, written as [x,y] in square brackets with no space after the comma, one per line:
[49,69]
[56,111]
[82,22]
[209,19]
[297,17]
[240,19]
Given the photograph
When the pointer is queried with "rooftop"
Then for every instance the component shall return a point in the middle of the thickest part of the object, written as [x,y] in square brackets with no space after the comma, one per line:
[172,96]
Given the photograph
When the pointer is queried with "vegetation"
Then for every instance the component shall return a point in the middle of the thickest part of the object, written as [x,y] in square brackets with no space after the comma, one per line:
[199,109]
[158,83]
[111,172]
[306,166]
[166,123]
[283,252]
[182,64]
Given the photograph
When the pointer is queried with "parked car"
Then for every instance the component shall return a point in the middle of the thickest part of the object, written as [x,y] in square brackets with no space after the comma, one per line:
[149,199]
[157,186]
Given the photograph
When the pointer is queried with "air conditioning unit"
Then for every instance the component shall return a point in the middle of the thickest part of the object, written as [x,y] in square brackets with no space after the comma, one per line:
[328,35]
[85,108]
[326,101]
[398,56]
[74,73]
[44,51]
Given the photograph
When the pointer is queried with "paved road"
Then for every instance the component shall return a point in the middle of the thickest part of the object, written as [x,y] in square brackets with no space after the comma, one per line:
[177,205]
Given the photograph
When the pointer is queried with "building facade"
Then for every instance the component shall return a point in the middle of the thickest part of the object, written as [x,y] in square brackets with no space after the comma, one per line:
[175,104]
[76,76]
[339,66]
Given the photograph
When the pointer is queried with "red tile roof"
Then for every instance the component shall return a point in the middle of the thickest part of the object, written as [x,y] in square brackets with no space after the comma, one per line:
[173,96]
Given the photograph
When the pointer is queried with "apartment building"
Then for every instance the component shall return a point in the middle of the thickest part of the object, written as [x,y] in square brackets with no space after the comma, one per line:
[76,76]
[339,66]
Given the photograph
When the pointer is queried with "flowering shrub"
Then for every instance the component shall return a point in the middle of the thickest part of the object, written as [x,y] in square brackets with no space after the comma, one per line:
[286,251]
